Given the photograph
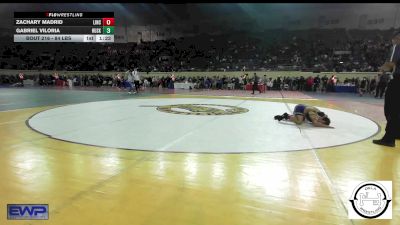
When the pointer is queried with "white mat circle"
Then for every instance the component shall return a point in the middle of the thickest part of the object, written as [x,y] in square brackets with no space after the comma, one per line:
[136,124]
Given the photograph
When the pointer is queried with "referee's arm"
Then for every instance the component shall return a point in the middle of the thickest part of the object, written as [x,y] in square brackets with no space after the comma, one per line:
[390,65]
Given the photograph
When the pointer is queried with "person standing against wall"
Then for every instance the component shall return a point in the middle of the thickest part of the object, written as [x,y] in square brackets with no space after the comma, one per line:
[255,84]
[171,84]
[136,79]
[130,81]
[363,87]
[21,78]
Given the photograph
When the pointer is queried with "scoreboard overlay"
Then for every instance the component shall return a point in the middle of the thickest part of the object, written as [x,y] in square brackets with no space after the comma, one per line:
[64,26]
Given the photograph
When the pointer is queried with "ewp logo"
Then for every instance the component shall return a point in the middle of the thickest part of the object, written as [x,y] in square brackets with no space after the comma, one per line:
[28,212]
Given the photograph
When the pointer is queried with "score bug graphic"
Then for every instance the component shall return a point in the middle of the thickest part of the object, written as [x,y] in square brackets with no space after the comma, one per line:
[64,26]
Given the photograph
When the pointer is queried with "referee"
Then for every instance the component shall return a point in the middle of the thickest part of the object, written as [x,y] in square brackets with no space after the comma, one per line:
[391,105]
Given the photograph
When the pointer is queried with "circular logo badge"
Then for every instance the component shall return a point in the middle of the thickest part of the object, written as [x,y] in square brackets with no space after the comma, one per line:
[202,109]
[370,199]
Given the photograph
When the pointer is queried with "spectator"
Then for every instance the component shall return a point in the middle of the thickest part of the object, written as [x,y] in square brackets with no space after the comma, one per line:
[363,87]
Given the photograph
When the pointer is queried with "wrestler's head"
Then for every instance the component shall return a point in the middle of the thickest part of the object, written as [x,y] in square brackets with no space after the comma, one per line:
[323,118]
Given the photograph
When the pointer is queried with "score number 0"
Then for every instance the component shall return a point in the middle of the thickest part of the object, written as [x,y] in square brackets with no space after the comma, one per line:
[108,21]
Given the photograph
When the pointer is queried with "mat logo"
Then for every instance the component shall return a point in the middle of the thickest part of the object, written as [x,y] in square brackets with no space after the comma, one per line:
[27,212]
[202,109]
[371,200]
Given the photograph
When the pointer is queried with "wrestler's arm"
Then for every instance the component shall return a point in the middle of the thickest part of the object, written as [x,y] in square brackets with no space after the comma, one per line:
[318,124]
[297,119]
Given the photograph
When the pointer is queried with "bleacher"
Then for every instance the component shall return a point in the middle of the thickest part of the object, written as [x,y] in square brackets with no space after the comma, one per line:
[303,49]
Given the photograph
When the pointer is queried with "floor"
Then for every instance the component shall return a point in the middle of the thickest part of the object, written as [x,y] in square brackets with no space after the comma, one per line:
[173,184]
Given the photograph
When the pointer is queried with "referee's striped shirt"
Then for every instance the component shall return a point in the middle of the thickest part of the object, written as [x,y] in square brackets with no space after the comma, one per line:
[395,58]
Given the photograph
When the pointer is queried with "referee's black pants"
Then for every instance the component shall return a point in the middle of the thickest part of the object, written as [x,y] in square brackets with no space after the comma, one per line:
[392,110]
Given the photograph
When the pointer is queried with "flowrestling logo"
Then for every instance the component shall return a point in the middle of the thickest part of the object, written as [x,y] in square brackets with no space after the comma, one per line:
[371,200]
[27,212]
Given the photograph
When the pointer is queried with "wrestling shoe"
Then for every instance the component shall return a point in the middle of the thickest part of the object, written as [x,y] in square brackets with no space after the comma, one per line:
[285,116]
[383,142]
[278,117]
